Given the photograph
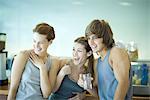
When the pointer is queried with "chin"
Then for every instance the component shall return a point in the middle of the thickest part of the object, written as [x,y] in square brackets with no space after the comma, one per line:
[36,52]
[75,63]
[94,51]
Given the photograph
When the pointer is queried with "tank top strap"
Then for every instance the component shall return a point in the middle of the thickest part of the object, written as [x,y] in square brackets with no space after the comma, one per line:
[48,62]
[107,55]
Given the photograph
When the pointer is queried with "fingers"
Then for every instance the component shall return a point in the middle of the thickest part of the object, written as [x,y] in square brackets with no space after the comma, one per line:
[81,76]
[32,55]
[80,81]
[76,97]
[31,50]
[34,58]
[31,60]
[66,66]
[92,78]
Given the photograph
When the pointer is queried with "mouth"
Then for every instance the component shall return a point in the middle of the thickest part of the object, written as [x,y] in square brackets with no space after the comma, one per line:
[93,47]
[38,49]
[76,60]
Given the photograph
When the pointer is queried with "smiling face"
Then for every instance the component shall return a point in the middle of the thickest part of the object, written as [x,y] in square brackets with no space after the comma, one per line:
[40,44]
[96,43]
[79,54]
[100,35]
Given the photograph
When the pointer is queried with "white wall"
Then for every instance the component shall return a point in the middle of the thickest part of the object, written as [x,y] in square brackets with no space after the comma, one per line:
[70,17]
[148,30]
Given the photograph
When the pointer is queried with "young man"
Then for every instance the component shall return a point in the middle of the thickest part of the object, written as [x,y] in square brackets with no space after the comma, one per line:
[113,65]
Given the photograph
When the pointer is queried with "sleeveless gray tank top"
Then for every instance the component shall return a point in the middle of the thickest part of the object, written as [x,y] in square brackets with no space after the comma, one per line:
[29,87]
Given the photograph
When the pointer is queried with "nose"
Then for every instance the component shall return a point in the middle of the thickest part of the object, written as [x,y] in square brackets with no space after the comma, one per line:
[74,53]
[36,44]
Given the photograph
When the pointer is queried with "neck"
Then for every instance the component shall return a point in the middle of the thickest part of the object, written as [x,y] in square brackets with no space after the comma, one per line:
[78,68]
[44,56]
[102,53]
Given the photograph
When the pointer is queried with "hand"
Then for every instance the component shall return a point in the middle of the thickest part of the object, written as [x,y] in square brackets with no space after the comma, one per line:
[78,96]
[38,62]
[65,70]
[81,81]
[85,81]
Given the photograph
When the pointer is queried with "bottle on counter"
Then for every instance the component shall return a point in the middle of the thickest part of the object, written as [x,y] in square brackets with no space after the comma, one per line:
[132,51]
[144,80]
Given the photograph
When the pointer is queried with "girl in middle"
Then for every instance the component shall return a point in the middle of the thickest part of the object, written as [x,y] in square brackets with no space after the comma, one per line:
[69,83]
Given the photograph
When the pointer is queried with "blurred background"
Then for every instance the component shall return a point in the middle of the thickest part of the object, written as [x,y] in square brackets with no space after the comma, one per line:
[129,20]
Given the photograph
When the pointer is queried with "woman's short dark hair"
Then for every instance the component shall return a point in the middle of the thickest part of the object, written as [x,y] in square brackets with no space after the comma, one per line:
[45,29]
[101,29]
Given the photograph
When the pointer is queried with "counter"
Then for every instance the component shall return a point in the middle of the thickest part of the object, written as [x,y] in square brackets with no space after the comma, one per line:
[4,93]
[4,90]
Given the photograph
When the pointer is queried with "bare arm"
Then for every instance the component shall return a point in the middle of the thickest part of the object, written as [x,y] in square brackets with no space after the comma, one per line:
[45,82]
[121,65]
[64,71]
[93,91]
[58,63]
[78,96]
[55,67]
[16,73]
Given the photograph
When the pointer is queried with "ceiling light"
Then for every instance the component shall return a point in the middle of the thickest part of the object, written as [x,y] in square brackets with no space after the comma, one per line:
[77,3]
[125,3]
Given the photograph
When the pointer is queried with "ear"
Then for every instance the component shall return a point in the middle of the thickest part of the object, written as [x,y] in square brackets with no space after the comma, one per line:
[89,53]
[50,42]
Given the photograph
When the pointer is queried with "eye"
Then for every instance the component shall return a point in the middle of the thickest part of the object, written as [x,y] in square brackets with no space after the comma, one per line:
[95,37]
[88,38]
[73,49]
[80,51]
[34,41]
[41,42]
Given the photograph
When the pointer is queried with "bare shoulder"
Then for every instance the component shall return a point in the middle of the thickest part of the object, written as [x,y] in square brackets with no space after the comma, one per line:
[20,60]
[54,58]
[119,56]
[64,60]
[55,62]
[59,62]
[23,55]
[117,52]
